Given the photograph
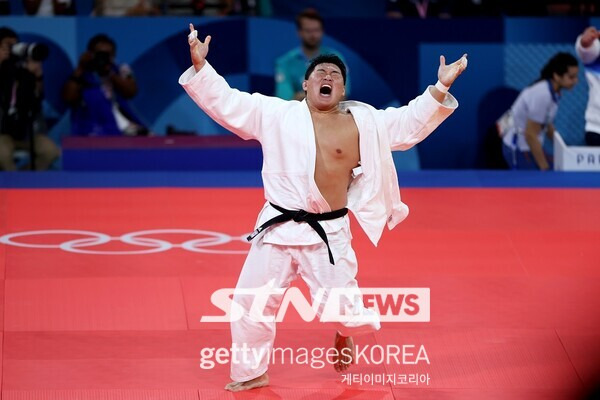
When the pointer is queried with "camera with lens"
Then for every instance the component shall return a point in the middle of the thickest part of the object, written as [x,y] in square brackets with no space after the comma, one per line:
[101,62]
[30,51]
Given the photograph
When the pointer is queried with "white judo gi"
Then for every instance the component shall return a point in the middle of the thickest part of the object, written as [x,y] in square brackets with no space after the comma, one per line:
[286,133]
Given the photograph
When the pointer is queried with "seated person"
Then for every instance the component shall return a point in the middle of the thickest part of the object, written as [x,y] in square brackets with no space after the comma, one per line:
[533,113]
[21,95]
[98,91]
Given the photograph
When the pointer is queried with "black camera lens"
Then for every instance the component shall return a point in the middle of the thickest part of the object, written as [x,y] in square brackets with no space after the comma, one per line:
[38,51]
[101,62]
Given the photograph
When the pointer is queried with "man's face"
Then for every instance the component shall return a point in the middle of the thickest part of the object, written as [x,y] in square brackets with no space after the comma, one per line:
[310,32]
[8,42]
[568,79]
[325,86]
[5,45]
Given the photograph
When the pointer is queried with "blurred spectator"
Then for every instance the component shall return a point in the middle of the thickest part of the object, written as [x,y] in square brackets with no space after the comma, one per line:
[290,67]
[418,8]
[524,8]
[588,49]
[98,91]
[177,7]
[120,8]
[4,7]
[573,7]
[212,7]
[252,7]
[476,8]
[533,112]
[21,94]
[41,7]
[49,7]
[228,7]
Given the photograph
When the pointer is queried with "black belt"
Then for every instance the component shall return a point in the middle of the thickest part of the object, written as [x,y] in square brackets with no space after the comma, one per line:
[311,219]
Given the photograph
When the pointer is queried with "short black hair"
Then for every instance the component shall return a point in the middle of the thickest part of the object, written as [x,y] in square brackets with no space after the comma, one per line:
[6,32]
[309,13]
[101,38]
[329,59]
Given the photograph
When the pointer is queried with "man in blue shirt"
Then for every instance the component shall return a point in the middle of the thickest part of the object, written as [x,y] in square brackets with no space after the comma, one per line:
[290,67]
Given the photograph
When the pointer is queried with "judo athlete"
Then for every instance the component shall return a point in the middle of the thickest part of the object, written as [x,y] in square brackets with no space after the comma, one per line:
[321,158]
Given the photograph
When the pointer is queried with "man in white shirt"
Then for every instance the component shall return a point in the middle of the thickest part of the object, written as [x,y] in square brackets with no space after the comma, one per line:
[314,166]
[588,50]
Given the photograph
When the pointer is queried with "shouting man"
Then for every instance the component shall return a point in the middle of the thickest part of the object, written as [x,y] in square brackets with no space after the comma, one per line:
[321,157]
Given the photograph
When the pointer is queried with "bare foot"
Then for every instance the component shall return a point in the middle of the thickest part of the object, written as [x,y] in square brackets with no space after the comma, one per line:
[345,347]
[258,382]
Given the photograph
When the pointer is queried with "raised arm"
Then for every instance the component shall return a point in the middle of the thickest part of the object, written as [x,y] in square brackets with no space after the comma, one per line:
[198,49]
[410,124]
[240,112]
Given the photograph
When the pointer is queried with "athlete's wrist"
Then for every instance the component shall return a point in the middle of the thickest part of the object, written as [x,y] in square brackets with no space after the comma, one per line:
[441,87]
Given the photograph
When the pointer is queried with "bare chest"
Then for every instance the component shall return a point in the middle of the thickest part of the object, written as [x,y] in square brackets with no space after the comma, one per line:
[337,140]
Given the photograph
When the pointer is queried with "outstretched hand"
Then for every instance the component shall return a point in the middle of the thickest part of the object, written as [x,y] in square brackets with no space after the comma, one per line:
[447,74]
[589,35]
[198,49]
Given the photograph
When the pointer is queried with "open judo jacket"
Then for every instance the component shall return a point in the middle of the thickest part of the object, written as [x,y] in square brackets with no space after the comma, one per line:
[286,134]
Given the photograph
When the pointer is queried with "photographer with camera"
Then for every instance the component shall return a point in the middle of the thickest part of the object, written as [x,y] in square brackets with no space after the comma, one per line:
[22,125]
[98,91]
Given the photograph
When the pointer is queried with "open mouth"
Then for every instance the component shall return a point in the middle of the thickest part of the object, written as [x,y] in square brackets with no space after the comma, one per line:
[325,90]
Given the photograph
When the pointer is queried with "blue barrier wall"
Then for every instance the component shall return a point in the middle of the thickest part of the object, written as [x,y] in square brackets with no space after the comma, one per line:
[391,61]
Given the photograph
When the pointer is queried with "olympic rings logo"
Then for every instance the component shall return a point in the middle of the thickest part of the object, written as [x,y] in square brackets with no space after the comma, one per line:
[150,245]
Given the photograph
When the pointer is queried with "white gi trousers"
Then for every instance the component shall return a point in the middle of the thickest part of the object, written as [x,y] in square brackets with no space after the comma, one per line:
[278,265]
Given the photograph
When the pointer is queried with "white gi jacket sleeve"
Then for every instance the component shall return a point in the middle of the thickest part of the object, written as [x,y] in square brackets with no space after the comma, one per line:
[590,54]
[410,124]
[236,111]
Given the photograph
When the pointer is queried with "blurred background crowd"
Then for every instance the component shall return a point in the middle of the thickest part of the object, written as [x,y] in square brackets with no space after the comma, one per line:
[269,8]
[87,74]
